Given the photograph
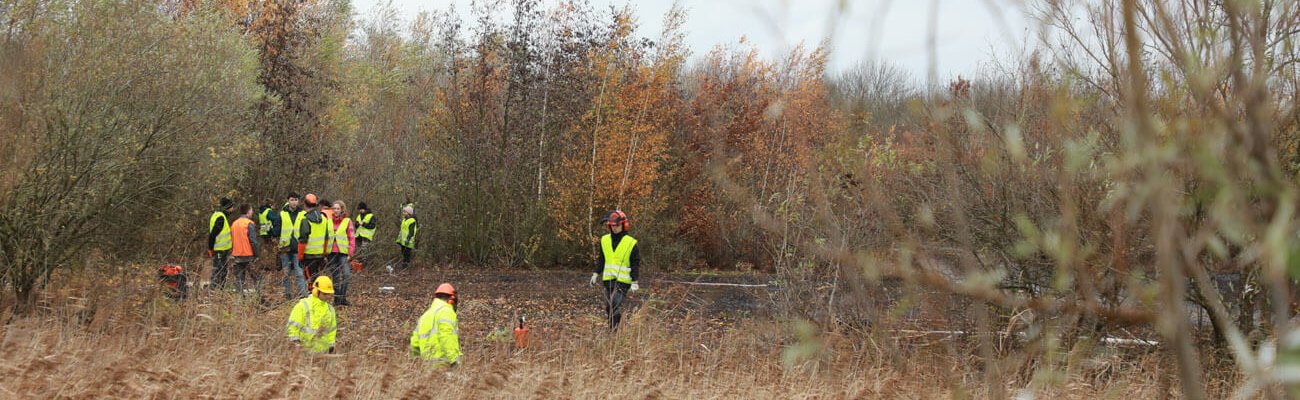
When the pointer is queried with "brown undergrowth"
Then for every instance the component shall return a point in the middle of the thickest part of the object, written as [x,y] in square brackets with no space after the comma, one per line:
[133,343]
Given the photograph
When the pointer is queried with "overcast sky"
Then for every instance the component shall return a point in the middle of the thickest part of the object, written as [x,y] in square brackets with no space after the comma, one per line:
[969,32]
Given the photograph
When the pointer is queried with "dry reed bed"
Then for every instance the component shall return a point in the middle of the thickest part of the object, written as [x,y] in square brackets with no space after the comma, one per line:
[134,344]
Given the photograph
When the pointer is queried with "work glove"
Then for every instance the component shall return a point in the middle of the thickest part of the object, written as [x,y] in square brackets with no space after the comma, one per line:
[594,277]
[635,287]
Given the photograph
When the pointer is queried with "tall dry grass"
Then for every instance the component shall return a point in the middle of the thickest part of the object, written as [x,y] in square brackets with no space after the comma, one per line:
[133,343]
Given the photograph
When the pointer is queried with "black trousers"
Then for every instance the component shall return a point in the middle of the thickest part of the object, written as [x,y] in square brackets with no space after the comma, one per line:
[363,252]
[615,295]
[314,267]
[406,256]
[220,260]
[246,274]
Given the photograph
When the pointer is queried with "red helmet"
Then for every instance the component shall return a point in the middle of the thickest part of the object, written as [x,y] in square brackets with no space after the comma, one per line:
[446,289]
[617,217]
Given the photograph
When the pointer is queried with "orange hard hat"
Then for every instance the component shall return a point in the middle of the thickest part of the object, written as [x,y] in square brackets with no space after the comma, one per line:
[617,217]
[446,289]
[310,198]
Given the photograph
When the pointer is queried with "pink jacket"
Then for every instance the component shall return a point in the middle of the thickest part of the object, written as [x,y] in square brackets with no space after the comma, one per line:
[352,236]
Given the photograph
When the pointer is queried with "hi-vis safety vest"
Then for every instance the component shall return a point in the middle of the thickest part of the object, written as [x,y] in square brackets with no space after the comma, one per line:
[406,236]
[289,227]
[264,222]
[223,236]
[242,244]
[316,241]
[339,236]
[618,262]
[362,231]
[313,323]
[437,337]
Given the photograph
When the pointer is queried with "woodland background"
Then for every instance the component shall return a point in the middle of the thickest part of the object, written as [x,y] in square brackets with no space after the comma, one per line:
[1137,171]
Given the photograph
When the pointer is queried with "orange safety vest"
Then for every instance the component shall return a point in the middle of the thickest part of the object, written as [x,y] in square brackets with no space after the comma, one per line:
[239,232]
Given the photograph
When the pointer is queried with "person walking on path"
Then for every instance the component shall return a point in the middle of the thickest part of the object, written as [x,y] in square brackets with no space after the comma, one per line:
[313,323]
[339,249]
[286,229]
[406,235]
[617,265]
[219,241]
[436,338]
[246,248]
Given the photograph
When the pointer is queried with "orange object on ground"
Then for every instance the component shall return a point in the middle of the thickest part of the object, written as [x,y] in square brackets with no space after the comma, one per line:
[521,335]
[173,281]
[356,266]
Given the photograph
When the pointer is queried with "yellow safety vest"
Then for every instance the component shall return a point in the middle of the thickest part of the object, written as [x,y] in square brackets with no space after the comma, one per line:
[264,222]
[313,323]
[362,231]
[287,233]
[406,236]
[339,236]
[223,237]
[437,337]
[618,262]
[319,233]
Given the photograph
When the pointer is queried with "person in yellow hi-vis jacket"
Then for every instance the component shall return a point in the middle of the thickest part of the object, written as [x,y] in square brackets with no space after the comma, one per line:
[437,336]
[617,265]
[312,323]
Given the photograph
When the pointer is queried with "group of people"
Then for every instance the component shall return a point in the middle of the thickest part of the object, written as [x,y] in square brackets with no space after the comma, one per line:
[310,236]
[322,239]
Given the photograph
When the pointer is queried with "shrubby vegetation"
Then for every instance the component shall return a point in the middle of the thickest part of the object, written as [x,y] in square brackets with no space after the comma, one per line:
[1143,160]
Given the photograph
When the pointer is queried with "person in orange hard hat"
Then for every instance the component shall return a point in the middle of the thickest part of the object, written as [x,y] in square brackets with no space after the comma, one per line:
[617,265]
[436,338]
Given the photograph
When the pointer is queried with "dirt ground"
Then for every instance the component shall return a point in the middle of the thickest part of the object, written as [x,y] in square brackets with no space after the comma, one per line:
[556,303]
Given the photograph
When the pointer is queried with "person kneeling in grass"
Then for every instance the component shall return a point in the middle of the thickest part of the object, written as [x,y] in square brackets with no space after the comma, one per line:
[312,323]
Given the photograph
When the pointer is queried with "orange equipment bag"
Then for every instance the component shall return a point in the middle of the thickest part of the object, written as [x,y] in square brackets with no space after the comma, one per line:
[173,280]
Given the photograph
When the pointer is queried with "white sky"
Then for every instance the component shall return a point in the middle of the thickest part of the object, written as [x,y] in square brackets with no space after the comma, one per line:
[969,32]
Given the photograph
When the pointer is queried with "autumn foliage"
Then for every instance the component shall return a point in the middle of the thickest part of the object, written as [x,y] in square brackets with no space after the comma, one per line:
[1134,177]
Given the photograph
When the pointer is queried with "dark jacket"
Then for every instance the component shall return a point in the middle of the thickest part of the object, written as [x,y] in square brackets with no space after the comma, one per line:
[215,229]
[636,255]
[272,221]
[313,217]
[369,225]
